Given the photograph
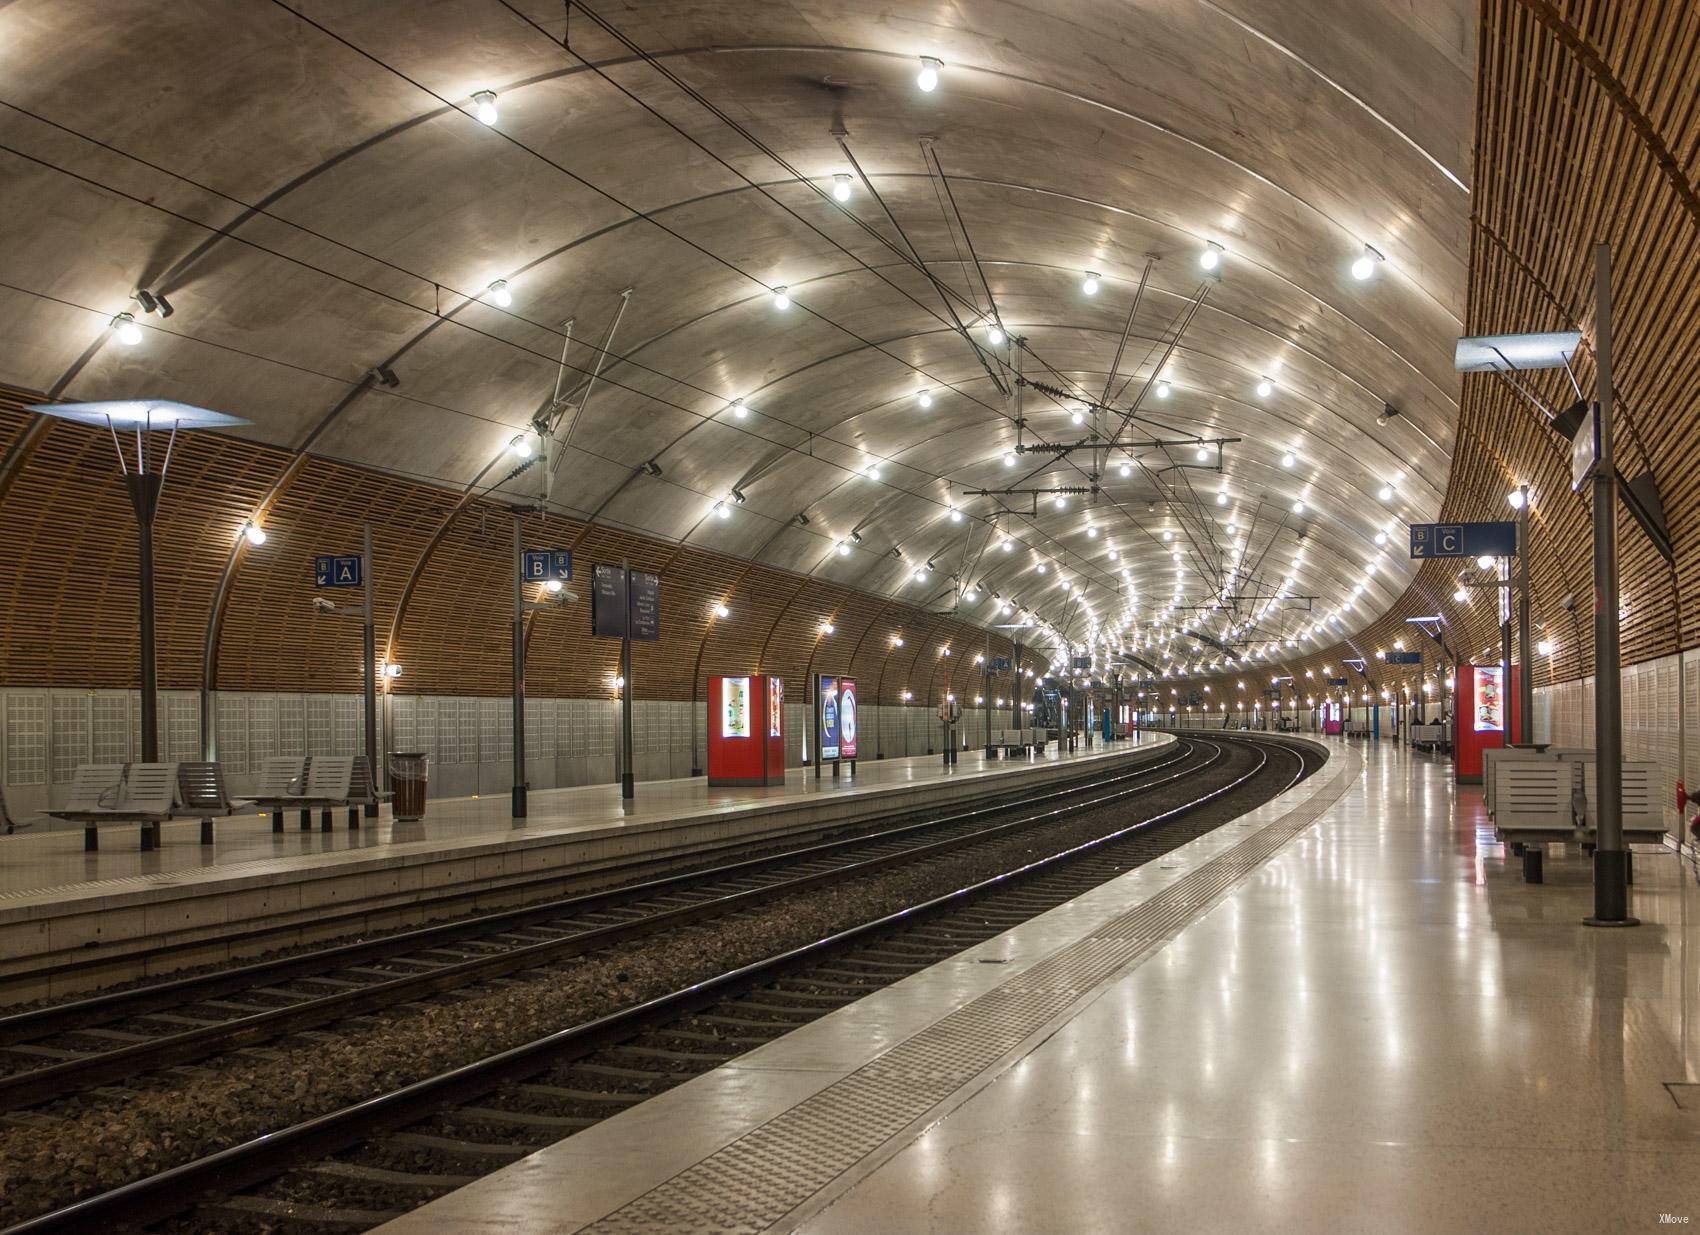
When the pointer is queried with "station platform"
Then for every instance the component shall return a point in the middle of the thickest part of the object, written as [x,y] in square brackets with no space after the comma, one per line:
[72,921]
[1344,1011]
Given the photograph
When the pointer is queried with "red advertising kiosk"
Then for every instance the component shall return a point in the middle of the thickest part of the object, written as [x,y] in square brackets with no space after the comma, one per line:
[746,729]
[1484,715]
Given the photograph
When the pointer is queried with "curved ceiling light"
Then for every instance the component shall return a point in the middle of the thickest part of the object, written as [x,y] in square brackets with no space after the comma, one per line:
[782,297]
[927,80]
[1211,258]
[499,294]
[1090,286]
[841,186]
[124,326]
[484,106]
[1367,264]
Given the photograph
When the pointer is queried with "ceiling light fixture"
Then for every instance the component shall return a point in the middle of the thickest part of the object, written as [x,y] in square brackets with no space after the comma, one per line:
[484,106]
[924,398]
[1289,460]
[1365,266]
[520,446]
[1163,390]
[994,334]
[1212,255]
[1090,286]
[124,326]
[1265,388]
[841,186]
[927,80]
[782,297]
[740,409]
[500,296]
[254,532]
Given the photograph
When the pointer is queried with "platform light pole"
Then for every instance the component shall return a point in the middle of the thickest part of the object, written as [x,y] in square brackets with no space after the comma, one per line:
[522,606]
[143,484]
[1525,647]
[1611,860]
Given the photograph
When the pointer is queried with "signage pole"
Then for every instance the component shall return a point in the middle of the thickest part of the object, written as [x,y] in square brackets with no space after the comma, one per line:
[144,497]
[519,789]
[1611,861]
[627,780]
[369,639]
[1525,645]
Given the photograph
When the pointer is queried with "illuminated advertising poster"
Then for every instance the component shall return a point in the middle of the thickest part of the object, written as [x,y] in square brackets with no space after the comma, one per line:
[828,693]
[735,708]
[1489,704]
[846,719]
[776,707]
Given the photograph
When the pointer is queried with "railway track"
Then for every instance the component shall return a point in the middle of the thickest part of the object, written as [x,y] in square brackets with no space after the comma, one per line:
[356,1167]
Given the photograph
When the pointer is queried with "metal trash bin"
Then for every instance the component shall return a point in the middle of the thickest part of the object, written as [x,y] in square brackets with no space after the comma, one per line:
[408,774]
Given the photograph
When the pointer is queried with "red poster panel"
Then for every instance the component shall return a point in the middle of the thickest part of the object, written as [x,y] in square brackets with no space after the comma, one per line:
[846,718]
[746,729]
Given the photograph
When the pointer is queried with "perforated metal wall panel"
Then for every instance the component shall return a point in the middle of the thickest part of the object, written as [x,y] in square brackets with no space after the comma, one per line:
[26,737]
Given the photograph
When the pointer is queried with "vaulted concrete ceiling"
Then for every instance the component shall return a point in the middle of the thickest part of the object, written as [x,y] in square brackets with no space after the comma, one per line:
[308,184]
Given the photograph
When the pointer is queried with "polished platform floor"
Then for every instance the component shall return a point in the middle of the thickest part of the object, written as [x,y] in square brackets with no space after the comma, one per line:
[1344,1013]
[48,859]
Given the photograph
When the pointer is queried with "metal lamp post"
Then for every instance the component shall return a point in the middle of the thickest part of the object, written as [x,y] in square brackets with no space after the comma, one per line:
[143,483]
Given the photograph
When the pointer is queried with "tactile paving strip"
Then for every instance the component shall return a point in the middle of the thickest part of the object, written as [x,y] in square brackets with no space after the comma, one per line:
[752,1183]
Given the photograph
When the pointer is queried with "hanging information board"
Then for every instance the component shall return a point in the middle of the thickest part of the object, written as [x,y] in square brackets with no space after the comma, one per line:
[644,599]
[624,603]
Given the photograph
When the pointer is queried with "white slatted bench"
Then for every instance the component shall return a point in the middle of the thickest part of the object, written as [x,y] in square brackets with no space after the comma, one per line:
[121,793]
[1491,759]
[201,792]
[8,820]
[319,782]
[1432,736]
[1532,806]
[1643,810]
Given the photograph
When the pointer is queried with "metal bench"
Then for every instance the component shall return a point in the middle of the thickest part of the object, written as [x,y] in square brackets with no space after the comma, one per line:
[1532,805]
[1491,759]
[1432,736]
[320,782]
[200,791]
[1643,814]
[121,793]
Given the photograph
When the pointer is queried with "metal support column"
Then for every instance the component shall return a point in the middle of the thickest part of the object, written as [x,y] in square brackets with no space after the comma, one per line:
[1611,859]
[628,781]
[144,497]
[1525,645]
[369,644]
[519,786]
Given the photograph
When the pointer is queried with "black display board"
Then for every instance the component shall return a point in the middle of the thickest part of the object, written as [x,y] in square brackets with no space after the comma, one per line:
[625,603]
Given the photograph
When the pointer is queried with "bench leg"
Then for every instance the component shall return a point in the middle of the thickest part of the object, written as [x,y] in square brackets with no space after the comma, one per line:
[206,832]
[91,838]
[325,819]
[306,821]
[353,818]
[1628,866]
[1532,863]
[277,819]
[147,837]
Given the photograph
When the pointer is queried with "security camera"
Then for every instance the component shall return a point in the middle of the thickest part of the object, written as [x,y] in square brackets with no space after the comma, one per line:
[324,604]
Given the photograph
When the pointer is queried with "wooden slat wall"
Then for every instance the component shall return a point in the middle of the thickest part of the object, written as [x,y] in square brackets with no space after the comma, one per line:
[67,588]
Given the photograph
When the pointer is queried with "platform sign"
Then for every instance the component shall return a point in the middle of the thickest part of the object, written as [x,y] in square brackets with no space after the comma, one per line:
[644,597]
[1338,682]
[1404,658]
[1584,450]
[607,602]
[542,565]
[334,570]
[624,603]
[1001,664]
[1082,662]
[1497,539]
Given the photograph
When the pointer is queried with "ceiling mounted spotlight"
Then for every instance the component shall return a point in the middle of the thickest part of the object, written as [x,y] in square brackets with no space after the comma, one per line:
[872,471]
[1265,388]
[1202,454]
[153,302]
[994,334]
[1008,460]
[1008,546]
[740,409]
[1485,561]
[1168,535]
[827,628]
[721,611]
[1515,498]
[955,515]
[1091,533]
[256,535]
[924,398]
[124,326]
[1299,506]
[723,510]
[927,80]
[1366,265]
[1212,255]
[1060,502]
[1289,460]
[1381,538]
[1090,286]
[1221,499]
[855,538]
[841,186]
[843,549]
[520,446]
[1385,493]
[500,296]
[1077,416]
[1126,469]
[484,106]
[1163,390]
[782,297]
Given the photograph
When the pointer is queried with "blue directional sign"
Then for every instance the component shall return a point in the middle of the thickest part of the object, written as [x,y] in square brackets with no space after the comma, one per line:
[1404,658]
[334,570]
[1463,539]
[1001,664]
[1337,681]
[541,565]
[1082,662]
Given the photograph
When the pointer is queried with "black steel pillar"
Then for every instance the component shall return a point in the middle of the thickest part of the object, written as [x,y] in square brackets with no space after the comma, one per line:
[1611,859]
[519,785]
[369,642]
[1525,645]
[144,490]
[628,782]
